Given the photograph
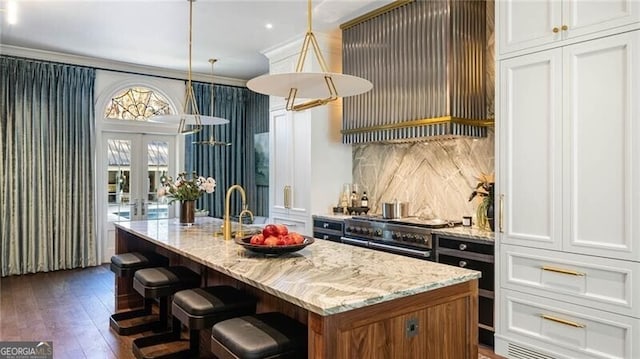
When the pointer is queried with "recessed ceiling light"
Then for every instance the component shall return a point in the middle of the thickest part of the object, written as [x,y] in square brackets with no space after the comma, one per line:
[269,26]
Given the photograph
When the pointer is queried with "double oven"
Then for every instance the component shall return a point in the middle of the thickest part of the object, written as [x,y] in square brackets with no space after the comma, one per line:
[407,236]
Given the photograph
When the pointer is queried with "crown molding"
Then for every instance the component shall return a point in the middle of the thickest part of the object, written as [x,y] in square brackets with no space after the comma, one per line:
[330,42]
[118,66]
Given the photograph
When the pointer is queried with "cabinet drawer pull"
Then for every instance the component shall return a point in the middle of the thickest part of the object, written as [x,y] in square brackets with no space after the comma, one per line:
[565,27]
[462,264]
[326,225]
[562,321]
[561,270]
[462,246]
[555,30]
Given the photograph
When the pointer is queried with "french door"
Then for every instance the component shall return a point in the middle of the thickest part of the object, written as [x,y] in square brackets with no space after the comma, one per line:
[133,167]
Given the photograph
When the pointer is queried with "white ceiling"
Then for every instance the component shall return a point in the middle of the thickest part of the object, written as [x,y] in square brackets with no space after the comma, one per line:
[155,33]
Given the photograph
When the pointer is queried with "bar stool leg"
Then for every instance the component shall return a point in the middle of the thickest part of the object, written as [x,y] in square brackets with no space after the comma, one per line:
[164,313]
[194,340]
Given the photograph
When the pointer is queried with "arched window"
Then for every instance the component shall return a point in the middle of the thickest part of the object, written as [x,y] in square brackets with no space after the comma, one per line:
[137,104]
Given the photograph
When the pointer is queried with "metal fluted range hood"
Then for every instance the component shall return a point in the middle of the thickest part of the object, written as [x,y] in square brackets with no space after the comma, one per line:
[426,62]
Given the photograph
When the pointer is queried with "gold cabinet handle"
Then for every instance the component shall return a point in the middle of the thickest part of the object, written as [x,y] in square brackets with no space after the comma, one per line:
[555,30]
[562,270]
[287,196]
[562,321]
[565,27]
[501,213]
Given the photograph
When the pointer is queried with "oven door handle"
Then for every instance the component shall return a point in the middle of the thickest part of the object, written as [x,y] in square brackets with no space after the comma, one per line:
[401,250]
[355,242]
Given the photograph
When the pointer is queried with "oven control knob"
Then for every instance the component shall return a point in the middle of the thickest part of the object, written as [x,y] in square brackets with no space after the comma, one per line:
[378,233]
[349,229]
[419,239]
[368,231]
[356,229]
[396,235]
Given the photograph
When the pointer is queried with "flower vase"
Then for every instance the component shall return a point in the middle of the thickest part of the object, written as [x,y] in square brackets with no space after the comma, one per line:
[187,212]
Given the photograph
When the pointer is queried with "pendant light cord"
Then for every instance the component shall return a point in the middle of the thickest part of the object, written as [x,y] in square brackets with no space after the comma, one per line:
[190,38]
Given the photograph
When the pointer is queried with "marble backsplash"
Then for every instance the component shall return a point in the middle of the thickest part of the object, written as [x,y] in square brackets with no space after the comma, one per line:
[436,178]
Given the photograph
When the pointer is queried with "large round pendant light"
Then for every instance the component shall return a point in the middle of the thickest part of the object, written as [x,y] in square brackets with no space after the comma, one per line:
[319,88]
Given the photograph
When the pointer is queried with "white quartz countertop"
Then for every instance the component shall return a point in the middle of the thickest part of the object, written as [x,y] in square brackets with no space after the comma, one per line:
[325,277]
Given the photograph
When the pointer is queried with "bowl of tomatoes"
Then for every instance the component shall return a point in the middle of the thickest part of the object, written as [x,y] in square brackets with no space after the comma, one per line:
[275,239]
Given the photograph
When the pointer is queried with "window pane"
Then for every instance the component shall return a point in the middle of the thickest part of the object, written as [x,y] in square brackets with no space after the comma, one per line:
[137,104]
[157,154]
[118,179]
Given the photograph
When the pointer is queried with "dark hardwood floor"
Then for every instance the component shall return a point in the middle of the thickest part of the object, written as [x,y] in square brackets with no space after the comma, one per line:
[72,309]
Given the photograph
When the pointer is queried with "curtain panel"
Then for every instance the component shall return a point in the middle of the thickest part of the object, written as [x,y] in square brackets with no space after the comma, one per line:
[47,216]
[232,164]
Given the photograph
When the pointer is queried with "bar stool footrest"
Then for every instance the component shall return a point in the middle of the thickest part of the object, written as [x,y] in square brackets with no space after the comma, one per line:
[167,345]
[134,321]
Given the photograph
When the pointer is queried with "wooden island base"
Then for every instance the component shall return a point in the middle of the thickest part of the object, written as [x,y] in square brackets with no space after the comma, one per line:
[439,324]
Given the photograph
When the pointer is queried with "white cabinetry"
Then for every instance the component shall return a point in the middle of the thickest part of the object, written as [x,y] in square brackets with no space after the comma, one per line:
[525,24]
[308,163]
[569,185]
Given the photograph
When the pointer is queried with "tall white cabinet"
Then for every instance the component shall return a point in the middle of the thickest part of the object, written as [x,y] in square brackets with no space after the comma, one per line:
[568,253]
[526,24]
[308,163]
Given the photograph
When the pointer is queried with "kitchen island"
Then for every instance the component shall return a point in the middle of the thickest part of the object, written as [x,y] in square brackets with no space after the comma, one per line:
[355,302]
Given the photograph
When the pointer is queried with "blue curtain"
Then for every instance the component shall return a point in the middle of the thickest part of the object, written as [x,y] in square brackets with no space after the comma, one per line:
[233,164]
[47,219]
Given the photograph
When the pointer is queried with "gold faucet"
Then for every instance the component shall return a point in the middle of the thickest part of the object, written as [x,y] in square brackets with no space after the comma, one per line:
[244,211]
[226,226]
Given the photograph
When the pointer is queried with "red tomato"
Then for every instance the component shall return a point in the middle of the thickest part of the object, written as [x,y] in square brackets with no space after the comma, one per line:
[270,230]
[282,229]
[257,239]
[271,241]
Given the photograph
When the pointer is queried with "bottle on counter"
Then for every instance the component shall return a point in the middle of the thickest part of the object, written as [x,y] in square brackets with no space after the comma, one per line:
[354,199]
[344,203]
[364,201]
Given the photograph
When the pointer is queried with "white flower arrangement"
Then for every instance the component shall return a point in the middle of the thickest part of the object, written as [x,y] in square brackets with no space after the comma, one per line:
[185,189]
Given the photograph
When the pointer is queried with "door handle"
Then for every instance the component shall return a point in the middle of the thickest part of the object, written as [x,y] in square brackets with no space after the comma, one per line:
[287,196]
[135,207]
[501,213]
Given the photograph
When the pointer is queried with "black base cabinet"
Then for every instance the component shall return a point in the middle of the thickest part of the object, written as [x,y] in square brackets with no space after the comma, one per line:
[478,255]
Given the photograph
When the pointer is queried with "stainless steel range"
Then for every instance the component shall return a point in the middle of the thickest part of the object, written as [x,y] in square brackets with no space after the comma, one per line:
[407,236]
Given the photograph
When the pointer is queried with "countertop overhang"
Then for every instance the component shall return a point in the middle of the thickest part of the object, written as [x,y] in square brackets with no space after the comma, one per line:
[325,278]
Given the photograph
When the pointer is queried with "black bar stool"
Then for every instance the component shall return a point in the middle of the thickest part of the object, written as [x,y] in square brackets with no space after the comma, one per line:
[125,265]
[160,283]
[265,335]
[197,309]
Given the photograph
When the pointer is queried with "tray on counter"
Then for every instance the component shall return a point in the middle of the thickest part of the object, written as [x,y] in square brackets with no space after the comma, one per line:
[272,250]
